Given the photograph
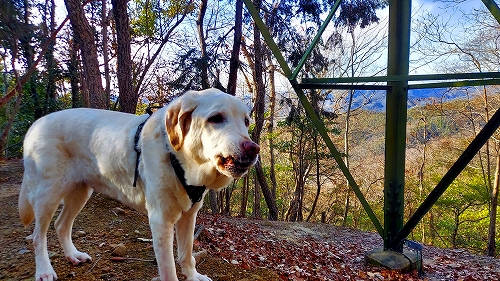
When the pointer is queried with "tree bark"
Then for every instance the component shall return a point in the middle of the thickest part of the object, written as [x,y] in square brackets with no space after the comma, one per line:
[203,45]
[28,53]
[128,99]
[244,197]
[50,90]
[234,61]
[227,200]
[493,211]
[84,35]
[214,204]
[318,178]
[346,157]
[259,116]
[256,201]
[346,133]
[270,128]
[76,99]
[105,53]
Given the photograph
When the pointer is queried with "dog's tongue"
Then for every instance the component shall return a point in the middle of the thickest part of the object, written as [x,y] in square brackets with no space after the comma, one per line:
[228,162]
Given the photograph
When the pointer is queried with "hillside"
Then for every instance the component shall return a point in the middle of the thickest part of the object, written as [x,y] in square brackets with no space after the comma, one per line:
[230,248]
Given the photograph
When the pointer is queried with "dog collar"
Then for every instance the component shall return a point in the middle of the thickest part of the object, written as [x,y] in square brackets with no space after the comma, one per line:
[195,192]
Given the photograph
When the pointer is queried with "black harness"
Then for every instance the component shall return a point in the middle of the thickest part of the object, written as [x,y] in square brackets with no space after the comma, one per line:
[138,149]
[194,192]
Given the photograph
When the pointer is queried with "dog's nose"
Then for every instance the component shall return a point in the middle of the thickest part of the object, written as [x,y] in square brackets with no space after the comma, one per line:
[250,148]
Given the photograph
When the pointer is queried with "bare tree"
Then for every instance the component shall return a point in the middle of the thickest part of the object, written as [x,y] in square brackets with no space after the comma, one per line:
[105,52]
[84,36]
[128,98]
[203,45]
[259,92]
[235,51]
[469,45]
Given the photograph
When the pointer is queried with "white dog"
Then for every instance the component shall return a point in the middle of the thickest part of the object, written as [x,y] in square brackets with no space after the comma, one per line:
[198,142]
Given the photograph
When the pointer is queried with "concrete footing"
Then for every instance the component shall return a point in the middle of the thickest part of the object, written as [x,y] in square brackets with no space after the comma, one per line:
[401,262]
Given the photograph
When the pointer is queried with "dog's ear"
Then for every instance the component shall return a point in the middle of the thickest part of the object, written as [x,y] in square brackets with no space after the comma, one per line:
[178,120]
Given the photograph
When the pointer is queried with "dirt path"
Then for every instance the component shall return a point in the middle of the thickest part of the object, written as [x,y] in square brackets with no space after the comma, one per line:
[103,224]
[234,249]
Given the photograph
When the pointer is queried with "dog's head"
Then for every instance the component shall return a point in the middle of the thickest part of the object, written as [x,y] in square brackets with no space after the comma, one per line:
[211,126]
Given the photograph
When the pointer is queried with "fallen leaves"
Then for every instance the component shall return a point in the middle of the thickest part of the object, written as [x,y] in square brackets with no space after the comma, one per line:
[308,254]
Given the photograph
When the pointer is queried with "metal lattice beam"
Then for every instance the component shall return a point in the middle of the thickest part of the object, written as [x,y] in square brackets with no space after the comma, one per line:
[396,85]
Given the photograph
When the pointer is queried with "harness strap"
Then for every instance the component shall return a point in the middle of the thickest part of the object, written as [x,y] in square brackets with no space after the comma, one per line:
[137,148]
[195,192]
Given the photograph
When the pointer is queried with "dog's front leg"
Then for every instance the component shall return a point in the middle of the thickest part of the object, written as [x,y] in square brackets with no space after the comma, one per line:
[163,239]
[185,232]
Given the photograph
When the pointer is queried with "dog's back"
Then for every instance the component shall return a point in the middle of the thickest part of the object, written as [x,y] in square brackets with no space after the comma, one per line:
[70,147]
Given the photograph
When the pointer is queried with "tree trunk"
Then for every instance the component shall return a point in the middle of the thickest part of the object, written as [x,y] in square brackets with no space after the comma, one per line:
[50,90]
[300,168]
[227,200]
[270,128]
[346,133]
[105,53]
[84,35]
[234,61]
[256,200]
[29,55]
[421,177]
[128,99]
[214,204]
[493,211]
[270,200]
[454,234]
[318,183]
[73,73]
[244,197]
[203,45]
[259,116]
[432,231]
[346,157]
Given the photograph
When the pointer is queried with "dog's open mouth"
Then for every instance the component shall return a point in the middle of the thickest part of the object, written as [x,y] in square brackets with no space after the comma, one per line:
[235,167]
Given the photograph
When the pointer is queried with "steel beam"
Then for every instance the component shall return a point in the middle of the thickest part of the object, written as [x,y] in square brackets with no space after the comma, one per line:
[397,79]
[395,133]
[493,7]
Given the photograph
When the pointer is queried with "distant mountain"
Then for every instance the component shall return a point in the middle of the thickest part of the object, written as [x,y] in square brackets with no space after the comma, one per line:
[375,100]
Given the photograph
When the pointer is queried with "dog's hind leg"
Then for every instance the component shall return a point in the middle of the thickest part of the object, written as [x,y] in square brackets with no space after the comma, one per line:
[44,207]
[73,203]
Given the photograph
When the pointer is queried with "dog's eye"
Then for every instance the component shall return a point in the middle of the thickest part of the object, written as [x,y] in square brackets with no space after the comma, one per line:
[247,122]
[216,119]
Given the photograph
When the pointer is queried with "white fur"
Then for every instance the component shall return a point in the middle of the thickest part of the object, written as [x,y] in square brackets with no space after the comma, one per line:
[70,153]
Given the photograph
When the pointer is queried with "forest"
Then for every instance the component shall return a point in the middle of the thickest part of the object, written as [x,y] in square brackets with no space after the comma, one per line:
[130,55]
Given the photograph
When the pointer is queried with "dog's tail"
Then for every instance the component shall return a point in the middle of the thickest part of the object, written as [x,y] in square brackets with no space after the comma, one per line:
[26,212]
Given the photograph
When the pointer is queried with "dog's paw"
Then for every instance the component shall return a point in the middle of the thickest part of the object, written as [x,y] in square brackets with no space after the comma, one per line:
[46,275]
[77,258]
[198,277]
